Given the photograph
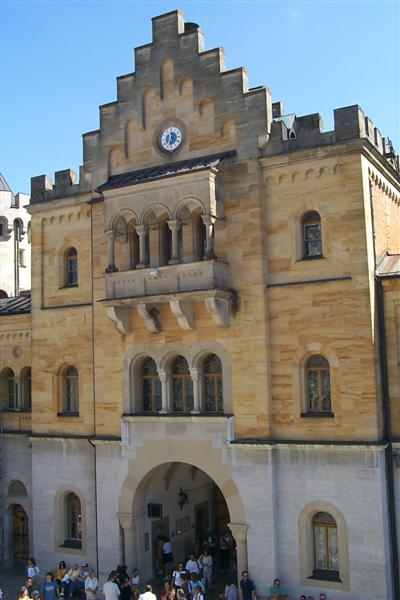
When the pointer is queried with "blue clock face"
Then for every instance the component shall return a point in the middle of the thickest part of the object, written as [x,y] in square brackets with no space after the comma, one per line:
[171,138]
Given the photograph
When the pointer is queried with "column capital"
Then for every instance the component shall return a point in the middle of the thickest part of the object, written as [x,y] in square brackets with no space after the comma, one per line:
[141,229]
[126,520]
[239,531]
[194,373]
[208,219]
[112,234]
[174,225]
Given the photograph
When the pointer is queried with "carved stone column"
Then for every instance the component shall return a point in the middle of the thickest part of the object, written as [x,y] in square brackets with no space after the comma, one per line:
[165,400]
[126,521]
[112,236]
[195,375]
[174,227]
[142,231]
[239,532]
[209,221]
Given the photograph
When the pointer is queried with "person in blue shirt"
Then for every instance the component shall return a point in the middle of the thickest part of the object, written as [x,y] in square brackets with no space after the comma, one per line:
[49,588]
[247,587]
[276,590]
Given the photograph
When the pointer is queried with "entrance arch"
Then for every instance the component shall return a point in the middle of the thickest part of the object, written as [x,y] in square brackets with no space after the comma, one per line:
[156,478]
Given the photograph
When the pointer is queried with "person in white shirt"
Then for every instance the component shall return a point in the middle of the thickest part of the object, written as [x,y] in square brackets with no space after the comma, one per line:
[91,585]
[148,594]
[110,588]
[192,566]
[206,563]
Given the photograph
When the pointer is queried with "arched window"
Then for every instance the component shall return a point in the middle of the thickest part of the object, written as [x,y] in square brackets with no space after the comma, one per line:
[17,488]
[318,385]
[71,267]
[182,386]
[212,384]
[3,228]
[73,521]
[151,386]
[326,559]
[312,235]
[26,388]
[70,391]
[8,389]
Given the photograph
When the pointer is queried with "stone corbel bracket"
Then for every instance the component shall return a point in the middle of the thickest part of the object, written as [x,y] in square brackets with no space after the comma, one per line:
[150,317]
[121,318]
[219,309]
[183,311]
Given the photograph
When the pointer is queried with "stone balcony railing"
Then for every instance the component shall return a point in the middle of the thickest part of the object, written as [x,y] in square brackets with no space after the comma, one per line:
[179,285]
[169,279]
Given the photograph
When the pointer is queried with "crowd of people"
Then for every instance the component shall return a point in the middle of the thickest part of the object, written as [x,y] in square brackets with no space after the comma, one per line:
[192,579]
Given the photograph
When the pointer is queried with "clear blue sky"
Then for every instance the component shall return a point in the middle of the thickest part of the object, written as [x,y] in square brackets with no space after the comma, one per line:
[59,61]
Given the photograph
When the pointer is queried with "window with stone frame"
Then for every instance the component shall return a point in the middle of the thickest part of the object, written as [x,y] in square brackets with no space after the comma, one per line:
[26,389]
[312,235]
[8,389]
[182,385]
[212,384]
[326,557]
[318,385]
[151,386]
[71,267]
[73,521]
[70,392]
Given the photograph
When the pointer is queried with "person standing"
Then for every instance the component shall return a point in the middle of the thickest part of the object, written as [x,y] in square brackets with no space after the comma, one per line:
[148,594]
[32,570]
[49,589]
[247,587]
[206,563]
[231,592]
[91,585]
[225,544]
[123,583]
[110,588]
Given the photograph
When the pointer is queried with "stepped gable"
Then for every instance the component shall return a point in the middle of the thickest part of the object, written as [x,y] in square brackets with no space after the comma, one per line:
[175,81]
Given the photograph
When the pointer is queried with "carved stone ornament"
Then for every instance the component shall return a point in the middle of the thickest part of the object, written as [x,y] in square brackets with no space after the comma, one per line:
[219,309]
[183,311]
[120,316]
[149,316]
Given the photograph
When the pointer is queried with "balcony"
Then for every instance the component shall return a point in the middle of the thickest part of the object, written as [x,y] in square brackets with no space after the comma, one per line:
[179,285]
[169,279]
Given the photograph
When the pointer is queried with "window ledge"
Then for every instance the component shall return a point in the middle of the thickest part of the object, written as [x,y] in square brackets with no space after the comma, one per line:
[316,257]
[318,414]
[67,414]
[68,285]
[17,410]
[325,575]
[76,544]
[177,414]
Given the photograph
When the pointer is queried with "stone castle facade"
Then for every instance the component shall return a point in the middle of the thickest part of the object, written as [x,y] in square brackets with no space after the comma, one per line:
[215,316]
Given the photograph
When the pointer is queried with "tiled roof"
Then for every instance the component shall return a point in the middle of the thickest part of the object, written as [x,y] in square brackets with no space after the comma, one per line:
[16,305]
[161,171]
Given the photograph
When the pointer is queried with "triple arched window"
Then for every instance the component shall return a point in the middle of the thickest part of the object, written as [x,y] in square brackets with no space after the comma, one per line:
[197,390]
[312,235]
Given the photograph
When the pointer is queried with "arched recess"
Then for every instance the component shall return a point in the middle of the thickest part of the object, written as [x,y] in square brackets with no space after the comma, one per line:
[17,488]
[60,526]
[159,237]
[199,353]
[156,454]
[17,532]
[306,545]
[193,231]
[167,78]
